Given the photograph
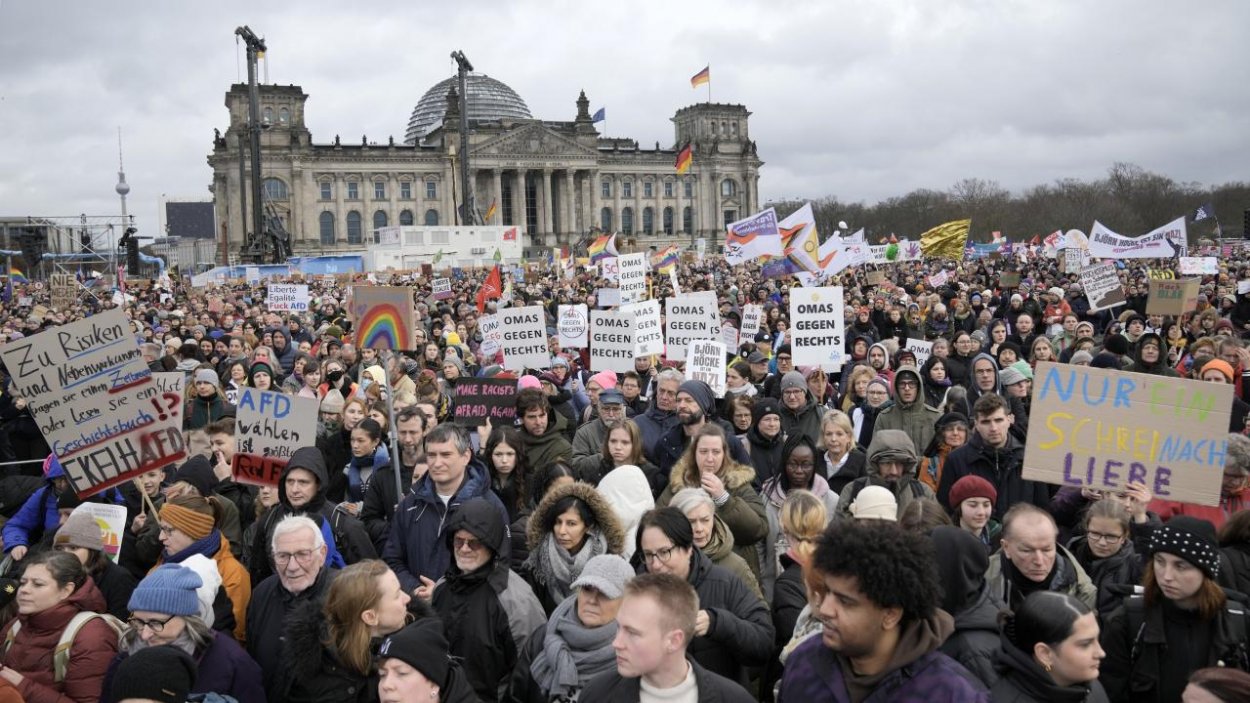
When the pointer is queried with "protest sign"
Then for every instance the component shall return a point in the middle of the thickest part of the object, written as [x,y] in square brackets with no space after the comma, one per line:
[1009,279]
[1102,287]
[1243,287]
[672,279]
[491,334]
[524,338]
[611,340]
[921,348]
[174,382]
[112,521]
[610,268]
[1199,266]
[1172,297]
[442,289]
[63,288]
[648,335]
[729,336]
[876,278]
[1105,244]
[689,317]
[482,399]
[93,398]
[751,316]
[573,326]
[700,246]
[633,277]
[938,279]
[384,317]
[268,428]
[706,362]
[251,274]
[1103,429]
[608,297]
[287,297]
[1075,259]
[818,334]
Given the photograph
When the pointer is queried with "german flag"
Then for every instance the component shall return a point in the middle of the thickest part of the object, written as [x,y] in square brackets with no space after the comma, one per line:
[490,212]
[702,77]
[685,157]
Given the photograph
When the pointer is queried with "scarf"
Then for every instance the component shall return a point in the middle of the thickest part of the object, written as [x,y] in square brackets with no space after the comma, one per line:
[208,546]
[359,471]
[572,653]
[555,568]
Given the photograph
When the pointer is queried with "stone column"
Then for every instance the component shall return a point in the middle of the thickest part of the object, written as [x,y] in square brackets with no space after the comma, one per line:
[547,225]
[518,201]
[593,200]
[497,183]
[340,214]
[570,200]
[616,203]
[679,196]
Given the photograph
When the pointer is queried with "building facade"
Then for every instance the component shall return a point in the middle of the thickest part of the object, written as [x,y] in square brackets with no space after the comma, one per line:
[556,181]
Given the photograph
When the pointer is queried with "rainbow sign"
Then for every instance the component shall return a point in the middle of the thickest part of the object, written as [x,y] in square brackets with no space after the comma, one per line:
[383,317]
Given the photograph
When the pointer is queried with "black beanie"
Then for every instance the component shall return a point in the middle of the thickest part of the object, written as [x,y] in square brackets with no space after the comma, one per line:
[1106,360]
[163,673]
[421,645]
[1191,539]
[199,473]
[1116,344]
[765,406]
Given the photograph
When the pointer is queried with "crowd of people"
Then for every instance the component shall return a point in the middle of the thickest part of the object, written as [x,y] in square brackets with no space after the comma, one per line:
[855,534]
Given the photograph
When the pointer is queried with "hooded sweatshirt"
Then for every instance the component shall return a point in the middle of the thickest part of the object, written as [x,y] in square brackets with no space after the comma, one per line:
[888,445]
[1160,366]
[915,418]
[310,460]
[962,563]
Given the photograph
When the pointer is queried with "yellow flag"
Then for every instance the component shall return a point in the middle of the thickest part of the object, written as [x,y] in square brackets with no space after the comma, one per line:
[946,240]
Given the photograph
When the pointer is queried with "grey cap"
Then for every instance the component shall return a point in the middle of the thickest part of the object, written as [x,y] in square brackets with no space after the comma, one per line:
[1010,376]
[611,397]
[607,574]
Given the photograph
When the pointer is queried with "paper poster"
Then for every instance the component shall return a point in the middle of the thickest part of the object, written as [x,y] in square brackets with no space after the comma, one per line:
[384,317]
[282,297]
[706,362]
[524,340]
[648,335]
[818,334]
[482,399]
[1199,266]
[729,336]
[689,317]
[751,316]
[921,348]
[174,382]
[574,326]
[112,521]
[93,398]
[633,277]
[938,279]
[609,268]
[269,427]
[1102,287]
[492,335]
[1104,429]
[442,289]
[608,297]
[611,340]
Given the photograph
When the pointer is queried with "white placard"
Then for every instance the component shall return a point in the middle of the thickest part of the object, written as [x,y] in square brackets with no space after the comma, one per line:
[818,334]
[633,277]
[287,297]
[1102,287]
[611,341]
[700,246]
[648,335]
[442,289]
[706,362]
[608,297]
[1243,287]
[574,326]
[610,268]
[492,335]
[524,340]
[689,317]
[269,428]
[672,278]
[112,522]
[252,274]
[729,336]
[1105,244]
[922,349]
[751,316]
[1200,265]
[938,279]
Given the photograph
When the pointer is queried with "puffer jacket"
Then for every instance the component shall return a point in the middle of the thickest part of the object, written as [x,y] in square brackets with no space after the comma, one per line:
[887,444]
[741,632]
[606,523]
[743,512]
[38,514]
[92,650]
[915,418]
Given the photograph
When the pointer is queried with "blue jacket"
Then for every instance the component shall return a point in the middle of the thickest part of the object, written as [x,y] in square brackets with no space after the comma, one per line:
[39,512]
[673,443]
[652,425]
[417,545]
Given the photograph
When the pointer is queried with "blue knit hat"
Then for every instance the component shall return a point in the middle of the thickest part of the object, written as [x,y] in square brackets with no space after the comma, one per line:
[170,589]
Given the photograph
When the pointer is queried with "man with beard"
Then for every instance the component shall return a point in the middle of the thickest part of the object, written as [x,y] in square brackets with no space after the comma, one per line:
[909,411]
[1031,560]
[892,462]
[879,360]
[994,454]
[695,406]
[785,364]
[381,497]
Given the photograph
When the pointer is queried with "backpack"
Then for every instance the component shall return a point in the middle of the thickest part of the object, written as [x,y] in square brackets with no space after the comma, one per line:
[1135,611]
[60,655]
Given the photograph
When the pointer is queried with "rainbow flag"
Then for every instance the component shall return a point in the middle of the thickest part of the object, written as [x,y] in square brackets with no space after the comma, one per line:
[685,157]
[665,260]
[16,275]
[602,248]
[702,77]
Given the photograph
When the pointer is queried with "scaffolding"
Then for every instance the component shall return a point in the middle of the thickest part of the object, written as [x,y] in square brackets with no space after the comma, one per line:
[83,246]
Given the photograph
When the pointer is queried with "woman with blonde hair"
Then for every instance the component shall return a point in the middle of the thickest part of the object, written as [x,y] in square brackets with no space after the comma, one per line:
[842,462]
[804,517]
[856,387]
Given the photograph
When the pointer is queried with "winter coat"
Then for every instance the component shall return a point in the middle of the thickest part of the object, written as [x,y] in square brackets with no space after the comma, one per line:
[652,425]
[765,453]
[720,549]
[588,448]
[788,599]
[655,481]
[1160,367]
[380,501]
[266,621]
[611,687]
[606,523]
[30,654]
[1124,568]
[116,585]
[743,512]
[916,418]
[741,631]
[1068,577]
[552,445]
[416,546]
[774,495]
[855,466]
[336,449]
[202,411]
[887,444]
[673,444]
[628,490]
[805,420]
[1001,467]
[37,515]
[1167,509]
[489,614]
[1022,680]
[962,563]
[311,671]
[223,668]
[917,673]
[381,459]
[1236,559]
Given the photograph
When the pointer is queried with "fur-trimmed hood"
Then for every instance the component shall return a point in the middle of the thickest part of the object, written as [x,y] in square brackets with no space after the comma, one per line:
[605,515]
[686,474]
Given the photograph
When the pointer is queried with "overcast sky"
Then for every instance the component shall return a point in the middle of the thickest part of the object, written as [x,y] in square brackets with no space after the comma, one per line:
[859,99]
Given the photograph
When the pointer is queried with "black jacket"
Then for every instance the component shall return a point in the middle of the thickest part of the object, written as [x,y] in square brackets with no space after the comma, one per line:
[380,502]
[962,564]
[336,450]
[765,454]
[611,687]
[311,670]
[855,466]
[1236,560]
[266,623]
[116,584]
[741,631]
[1124,568]
[1001,467]
[1022,680]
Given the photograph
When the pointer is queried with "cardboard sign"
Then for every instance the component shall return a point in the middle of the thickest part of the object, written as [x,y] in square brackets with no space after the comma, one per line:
[573,326]
[492,335]
[1199,266]
[63,288]
[818,334]
[524,340]
[648,335]
[921,348]
[268,428]
[612,340]
[93,398]
[1102,287]
[442,289]
[383,317]
[1009,279]
[1172,297]
[633,277]
[1104,429]
[706,362]
[482,399]
[174,382]
[689,317]
[112,521]
[287,296]
[610,268]
[608,297]
[876,278]
[751,316]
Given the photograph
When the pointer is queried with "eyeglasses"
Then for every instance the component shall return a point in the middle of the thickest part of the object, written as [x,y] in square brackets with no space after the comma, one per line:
[800,464]
[167,530]
[462,543]
[660,555]
[303,556]
[906,384]
[1103,537]
[137,624]
[784,357]
[793,391]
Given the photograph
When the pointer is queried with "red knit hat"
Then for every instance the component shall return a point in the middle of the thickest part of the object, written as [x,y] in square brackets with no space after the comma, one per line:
[971,487]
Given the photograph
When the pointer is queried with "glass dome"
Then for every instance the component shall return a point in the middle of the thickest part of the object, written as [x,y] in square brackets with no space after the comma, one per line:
[489,99]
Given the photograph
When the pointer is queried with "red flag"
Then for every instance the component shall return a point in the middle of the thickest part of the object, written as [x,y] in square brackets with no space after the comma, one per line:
[490,290]
[1037,239]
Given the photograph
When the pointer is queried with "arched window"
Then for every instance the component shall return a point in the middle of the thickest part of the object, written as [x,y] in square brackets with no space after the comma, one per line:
[354,235]
[728,188]
[648,221]
[687,220]
[431,218]
[668,220]
[605,218]
[379,219]
[326,221]
[267,115]
[405,218]
[284,116]
[627,221]
[275,189]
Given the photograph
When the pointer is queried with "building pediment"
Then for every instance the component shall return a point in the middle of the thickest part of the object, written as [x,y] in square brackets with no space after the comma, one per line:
[532,139]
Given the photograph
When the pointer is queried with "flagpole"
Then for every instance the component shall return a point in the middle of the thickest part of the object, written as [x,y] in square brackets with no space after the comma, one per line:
[709,84]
